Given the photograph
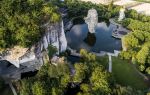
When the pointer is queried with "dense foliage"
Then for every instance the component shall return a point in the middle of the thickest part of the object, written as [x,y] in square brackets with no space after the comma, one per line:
[54,80]
[135,15]
[50,80]
[136,25]
[21,21]
[90,76]
[51,51]
[137,42]
[104,11]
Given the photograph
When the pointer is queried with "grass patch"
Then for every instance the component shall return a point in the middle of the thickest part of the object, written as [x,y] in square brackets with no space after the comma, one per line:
[125,74]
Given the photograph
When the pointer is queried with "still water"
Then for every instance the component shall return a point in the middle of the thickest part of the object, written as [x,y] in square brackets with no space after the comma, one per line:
[79,37]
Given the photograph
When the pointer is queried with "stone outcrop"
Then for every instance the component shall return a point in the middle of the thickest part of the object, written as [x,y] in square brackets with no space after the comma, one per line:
[31,59]
[91,20]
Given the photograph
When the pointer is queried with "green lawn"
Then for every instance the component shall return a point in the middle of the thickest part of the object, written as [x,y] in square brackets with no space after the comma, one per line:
[125,74]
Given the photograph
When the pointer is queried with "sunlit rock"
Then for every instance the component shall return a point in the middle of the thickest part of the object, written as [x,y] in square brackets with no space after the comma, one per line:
[121,14]
[91,20]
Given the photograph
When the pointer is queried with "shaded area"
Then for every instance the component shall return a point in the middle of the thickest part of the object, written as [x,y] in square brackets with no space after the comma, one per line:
[73,59]
[90,39]
[28,74]
[6,91]
[72,90]
[78,20]
[122,32]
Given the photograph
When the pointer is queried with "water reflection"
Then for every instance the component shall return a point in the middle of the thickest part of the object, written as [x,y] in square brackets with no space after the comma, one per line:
[90,39]
[78,37]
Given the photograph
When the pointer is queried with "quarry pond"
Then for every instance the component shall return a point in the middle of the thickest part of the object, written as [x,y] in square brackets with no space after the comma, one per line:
[79,37]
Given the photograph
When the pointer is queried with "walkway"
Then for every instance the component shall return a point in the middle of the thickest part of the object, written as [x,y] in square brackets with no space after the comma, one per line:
[12,88]
[110,63]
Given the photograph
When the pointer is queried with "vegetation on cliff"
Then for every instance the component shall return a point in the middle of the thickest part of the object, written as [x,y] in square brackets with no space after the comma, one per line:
[21,21]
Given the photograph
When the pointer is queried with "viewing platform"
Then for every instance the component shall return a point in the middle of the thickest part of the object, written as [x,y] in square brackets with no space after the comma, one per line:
[119,31]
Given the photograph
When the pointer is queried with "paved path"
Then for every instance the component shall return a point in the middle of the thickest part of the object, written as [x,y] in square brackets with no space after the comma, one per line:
[110,59]
[110,63]
[12,88]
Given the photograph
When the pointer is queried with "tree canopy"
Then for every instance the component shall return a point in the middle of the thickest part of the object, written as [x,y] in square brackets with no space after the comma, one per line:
[137,41]
[21,21]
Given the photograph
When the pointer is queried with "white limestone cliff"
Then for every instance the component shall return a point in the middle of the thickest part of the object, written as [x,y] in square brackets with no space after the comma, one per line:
[91,20]
[54,35]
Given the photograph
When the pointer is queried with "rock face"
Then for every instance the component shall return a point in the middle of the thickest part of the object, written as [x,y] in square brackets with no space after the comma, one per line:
[54,36]
[121,14]
[91,20]
[32,59]
[63,40]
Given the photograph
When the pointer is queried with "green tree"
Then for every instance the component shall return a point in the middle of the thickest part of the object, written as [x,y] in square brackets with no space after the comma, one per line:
[38,88]
[51,51]
[99,81]
[142,55]
[88,57]
[50,80]
[148,70]
[81,70]
[25,87]
[141,67]
[21,21]
[85,88]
